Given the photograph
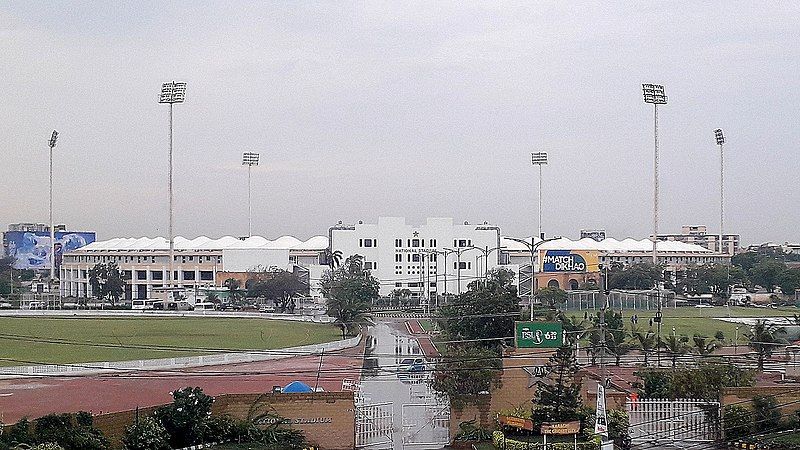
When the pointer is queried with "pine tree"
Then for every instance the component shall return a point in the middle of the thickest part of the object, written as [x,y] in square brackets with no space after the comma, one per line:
[557,396]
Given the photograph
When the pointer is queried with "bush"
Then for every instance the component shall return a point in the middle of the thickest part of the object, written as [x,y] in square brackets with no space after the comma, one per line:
[48,446]
[502,442]
[765,412]
[59,428]
[147,434]
[219,429]
[737,421]
[186,417]
[618,423]
[19,433]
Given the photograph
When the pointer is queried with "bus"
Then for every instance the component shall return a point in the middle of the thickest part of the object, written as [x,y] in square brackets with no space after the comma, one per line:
[143,304]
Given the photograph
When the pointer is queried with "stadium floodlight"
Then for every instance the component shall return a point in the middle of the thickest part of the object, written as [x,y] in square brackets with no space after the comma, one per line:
[539,159]
[249,159]
[720,138]
[654,94]
[171,92]
[52,144]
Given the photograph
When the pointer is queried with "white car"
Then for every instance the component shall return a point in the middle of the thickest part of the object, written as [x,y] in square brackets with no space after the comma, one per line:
[703,306]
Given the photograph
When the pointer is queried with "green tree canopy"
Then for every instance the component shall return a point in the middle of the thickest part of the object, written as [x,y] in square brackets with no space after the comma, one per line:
[279,286]
[558,395]
[185,418]
[552,296]
[465,371]
[486,311]
[107,282]
[350,290]
[635,276]
[764,338]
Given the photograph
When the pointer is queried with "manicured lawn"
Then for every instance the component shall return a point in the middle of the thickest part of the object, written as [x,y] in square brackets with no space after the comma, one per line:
[701,321]
[83,338]
[426,325]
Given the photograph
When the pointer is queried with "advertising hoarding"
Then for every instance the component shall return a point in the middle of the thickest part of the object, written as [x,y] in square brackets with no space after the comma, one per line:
[568,261]
[538,335]
[31,249]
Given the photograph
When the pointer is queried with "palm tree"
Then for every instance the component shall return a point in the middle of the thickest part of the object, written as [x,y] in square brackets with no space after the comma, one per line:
[703,346]
[676,346]
[764,338]
[233,289]
[332,258]
[645,341]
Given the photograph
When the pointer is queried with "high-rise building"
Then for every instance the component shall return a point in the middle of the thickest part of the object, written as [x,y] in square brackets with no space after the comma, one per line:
[699,235]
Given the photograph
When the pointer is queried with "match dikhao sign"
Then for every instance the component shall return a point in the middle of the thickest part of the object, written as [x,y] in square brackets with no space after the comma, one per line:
[568,261]
[538,335]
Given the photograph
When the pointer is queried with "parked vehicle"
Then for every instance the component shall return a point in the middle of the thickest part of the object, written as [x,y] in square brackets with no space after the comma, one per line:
[205,306]
[144,304]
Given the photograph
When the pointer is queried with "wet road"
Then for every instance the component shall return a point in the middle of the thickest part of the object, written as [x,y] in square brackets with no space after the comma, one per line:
[419,420]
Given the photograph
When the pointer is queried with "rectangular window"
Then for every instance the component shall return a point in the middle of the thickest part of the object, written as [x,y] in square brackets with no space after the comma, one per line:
[206,275]
[433,257]
[433,285]
[188,275]
[433,243]
[415,242]
[462,243]
[126,274]
[398,257]
[462,265]
[368,243]
[141,274]
[398,242]
[360,242]
[369,265]
[156,275]
[415,257]
[401,285]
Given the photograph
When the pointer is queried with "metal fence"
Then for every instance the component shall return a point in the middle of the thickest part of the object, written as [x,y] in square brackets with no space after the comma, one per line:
[375,426]
[619,300]
[665,421]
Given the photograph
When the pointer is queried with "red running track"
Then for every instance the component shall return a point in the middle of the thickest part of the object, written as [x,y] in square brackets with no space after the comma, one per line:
[35,397]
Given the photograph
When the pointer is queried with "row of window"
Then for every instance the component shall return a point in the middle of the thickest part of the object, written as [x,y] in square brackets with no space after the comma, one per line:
[413,257]
[140,259]
[155,275]
[414,243]
[415,284]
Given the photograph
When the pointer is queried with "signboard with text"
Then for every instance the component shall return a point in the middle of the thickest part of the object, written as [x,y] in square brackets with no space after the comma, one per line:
[569,261]
[538,335]
[573,427]
[516,422]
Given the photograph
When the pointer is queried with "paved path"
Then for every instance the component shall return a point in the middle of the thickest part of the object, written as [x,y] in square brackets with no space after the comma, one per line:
[35,397]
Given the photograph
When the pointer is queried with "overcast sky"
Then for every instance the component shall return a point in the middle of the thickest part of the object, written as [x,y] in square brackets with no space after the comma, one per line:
[427,109]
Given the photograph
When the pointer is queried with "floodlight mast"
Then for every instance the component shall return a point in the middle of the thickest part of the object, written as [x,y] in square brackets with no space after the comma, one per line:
[52,144]
[539,159]
[654,94]
[249,159]
[720,139]
[171,93]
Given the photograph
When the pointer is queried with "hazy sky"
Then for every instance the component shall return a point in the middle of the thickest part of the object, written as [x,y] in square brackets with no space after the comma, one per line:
[406,109]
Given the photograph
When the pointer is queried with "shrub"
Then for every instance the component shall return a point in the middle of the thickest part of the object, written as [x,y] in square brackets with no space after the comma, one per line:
[737,422]
[502,442]
[618,423]
[765,412]
[185,418]
[147,434]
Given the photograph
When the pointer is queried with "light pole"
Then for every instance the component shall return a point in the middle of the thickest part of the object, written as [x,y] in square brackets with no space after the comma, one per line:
[720,138]
[539,159]
[52,144]
[486,251]
[458,251]
[532,246]
[249,159]
[654,94]
[171,93]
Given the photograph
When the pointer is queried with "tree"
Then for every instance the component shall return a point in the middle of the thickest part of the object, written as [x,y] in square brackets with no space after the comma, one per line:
[675,346]
[107,281]
[645,341]
[551,296]
[280,287]
[350,290]
[557,397]
[789,281]
[332,259]
[184,419]
[635,276]
[6,272]
[766,273]
[764,338]
[704,346]
[487,310]
[465,371]
[71,433]
[617,343]
[146,434]
[574,327]
[711,279]
[233,289]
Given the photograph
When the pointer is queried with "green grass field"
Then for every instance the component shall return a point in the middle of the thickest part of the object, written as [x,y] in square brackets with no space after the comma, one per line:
[701,321]
[84,337]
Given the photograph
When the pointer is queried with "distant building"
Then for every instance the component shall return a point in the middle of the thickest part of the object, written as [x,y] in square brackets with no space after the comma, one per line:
[199,263]
[597,235]
[29,244]
[699,235]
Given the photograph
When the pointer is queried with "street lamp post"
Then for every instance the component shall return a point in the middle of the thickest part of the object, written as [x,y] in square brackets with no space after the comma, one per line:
[249,159]
[532,246]
[720,138]
[171,93]
[486,252]
[52,144]
[654,94]
[539,159]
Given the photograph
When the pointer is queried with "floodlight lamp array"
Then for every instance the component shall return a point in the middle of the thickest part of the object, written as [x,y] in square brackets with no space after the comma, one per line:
[538,158]
[654,93]
[172,92]
[250,159]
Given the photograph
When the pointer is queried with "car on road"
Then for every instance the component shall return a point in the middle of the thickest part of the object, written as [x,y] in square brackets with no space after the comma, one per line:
[411,365]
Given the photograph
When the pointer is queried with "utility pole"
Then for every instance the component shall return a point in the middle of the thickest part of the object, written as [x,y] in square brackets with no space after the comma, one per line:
[539,159]
[52,144]
[171,93]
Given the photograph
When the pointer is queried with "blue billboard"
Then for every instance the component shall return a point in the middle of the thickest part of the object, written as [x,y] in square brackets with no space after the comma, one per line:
[31,250]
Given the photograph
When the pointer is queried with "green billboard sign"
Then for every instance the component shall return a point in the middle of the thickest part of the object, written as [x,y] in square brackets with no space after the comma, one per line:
[538,335]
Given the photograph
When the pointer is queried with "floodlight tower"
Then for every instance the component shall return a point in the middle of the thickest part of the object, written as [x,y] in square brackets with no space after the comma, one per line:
[171,93]
[52,144]
[249,159]
[539,159]
[654,94]
[720,138]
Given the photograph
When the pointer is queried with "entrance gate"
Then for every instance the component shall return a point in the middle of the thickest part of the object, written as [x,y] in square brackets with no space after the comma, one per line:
[375,426]
[663,421]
